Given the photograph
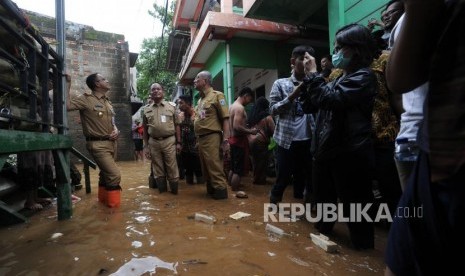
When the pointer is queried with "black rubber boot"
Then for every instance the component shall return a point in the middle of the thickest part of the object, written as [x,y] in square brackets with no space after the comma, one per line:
[190,179]
[210,190]
[200,180]
[174,187]
[152,182]
[161,183]
[275,199]
[220,194]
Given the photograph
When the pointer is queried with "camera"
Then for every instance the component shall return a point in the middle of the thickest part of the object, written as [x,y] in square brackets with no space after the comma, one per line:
[305,83]
[307,80]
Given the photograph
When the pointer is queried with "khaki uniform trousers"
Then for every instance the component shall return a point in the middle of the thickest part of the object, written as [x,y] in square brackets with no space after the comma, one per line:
[210,160]
[103,153]
[163,154]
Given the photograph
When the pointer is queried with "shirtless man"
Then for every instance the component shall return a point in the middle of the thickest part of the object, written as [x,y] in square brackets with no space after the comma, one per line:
[238,140]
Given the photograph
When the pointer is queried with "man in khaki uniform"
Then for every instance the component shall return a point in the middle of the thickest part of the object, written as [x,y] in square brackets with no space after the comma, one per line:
[159,122]
[211,126]
[98,126]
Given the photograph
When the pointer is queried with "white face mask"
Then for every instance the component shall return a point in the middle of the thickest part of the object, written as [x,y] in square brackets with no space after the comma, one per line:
[339,61]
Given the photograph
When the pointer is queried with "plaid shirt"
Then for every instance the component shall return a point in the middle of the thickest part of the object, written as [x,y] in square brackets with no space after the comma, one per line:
[284,111]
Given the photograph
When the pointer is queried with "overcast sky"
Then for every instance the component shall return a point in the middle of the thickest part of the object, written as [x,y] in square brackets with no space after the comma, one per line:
[127,17]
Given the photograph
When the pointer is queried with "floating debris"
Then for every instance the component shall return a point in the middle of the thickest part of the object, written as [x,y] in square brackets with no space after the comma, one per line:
[194,261]
[324,243]
[298,261]
[274,230]
[239,215]
[56,236]
[136,244]
[204,218]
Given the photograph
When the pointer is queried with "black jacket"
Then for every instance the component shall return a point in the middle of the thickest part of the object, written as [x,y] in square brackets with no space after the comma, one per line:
[344,107]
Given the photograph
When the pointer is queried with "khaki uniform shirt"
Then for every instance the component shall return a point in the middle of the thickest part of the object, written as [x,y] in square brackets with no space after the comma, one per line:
[161,119]
[97,114]
[210,113]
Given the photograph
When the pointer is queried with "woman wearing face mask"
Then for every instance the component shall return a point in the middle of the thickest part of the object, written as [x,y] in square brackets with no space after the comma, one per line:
[342,146]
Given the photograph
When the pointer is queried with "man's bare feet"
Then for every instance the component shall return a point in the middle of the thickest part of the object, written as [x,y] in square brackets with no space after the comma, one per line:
[33,206]
[44,201]
[31,201]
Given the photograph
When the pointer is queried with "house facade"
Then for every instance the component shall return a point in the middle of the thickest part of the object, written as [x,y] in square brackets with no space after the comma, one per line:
[238,51]
[249,42]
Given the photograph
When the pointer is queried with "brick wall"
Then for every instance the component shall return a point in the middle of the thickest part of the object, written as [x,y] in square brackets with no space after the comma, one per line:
[89,51]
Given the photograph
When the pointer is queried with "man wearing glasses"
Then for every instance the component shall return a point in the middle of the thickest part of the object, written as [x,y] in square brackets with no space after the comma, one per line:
[211,126]
[389,17]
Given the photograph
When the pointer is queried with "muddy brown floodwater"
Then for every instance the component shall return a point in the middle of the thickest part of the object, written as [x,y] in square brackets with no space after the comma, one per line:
[154,233]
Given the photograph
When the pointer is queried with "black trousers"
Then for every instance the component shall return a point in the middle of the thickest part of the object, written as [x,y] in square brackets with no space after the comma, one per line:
[346,179]
[293,167]
[191,165]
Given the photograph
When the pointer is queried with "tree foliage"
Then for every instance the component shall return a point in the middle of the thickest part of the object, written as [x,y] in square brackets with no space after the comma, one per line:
[152,58]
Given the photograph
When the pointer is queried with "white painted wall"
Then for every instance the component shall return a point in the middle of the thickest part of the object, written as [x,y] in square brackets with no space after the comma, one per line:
[254,78]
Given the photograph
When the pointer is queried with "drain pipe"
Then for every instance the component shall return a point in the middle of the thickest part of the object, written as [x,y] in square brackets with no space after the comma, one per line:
[228,75]
[64,204]
[61,51]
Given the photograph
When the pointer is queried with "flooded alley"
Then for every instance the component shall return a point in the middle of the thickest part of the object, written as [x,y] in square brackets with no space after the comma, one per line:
[156,234]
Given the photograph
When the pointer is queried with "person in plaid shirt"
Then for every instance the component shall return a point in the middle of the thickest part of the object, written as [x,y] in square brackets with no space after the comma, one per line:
[293,131]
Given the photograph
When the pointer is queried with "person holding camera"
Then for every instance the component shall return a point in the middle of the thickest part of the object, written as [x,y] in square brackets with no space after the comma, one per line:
[293,130]
[342,146]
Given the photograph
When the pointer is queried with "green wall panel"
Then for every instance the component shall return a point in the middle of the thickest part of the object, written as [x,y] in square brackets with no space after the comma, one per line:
[217,61]
[343,12]
[253,53]
[216,65]
[335,18]
[350,3]
[363,10]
